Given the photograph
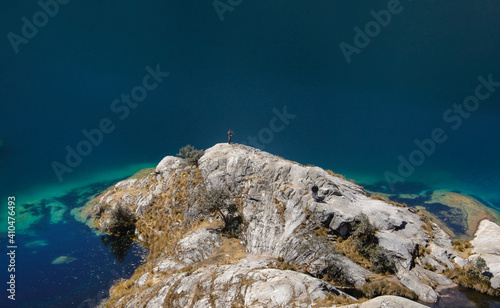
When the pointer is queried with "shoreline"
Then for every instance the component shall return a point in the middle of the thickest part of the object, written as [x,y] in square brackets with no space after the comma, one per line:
[457,213]
[475,210]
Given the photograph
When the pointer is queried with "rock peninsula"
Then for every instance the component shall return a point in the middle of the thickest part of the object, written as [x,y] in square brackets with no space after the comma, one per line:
[288,235]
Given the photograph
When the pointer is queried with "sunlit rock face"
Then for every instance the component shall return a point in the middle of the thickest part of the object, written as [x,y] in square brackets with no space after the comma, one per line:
[282,205]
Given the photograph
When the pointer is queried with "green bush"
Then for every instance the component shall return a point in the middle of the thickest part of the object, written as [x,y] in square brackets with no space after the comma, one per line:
[364,235]
[122,221]
[480,265]
[366,242]
[190,154]
[380,262]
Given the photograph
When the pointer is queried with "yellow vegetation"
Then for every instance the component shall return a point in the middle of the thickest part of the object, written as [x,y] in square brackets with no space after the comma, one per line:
[384,286]
[331,300]
[386,200]
[463,247]
[162,226]
[330,172]
[348,249]
[472,279]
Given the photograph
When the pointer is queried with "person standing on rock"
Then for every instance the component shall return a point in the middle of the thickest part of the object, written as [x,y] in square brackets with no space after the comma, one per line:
[229,135]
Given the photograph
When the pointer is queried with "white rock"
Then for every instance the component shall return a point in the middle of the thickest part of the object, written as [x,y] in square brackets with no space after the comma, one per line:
[198,245]
[387,301]
[142,281]
[487,238]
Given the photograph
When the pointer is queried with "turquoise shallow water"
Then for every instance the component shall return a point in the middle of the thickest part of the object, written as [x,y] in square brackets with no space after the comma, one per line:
[354,118]
[61,262]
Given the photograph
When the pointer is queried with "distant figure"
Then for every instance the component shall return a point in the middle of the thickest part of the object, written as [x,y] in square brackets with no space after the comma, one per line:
[229,135]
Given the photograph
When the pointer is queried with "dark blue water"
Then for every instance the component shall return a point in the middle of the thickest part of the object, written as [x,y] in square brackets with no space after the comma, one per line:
[355,118]
[60,262]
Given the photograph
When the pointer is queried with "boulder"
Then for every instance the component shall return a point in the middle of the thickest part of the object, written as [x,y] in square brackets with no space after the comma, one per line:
[486,246]
[387,301]
[198,245]
[249,282]
[487,233]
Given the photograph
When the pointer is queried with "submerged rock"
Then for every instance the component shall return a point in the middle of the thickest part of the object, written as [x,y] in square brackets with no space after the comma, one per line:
[37,243]
[63,260]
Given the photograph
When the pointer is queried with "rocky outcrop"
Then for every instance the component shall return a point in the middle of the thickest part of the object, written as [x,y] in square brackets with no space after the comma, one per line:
[486,245]
[387,301]
[248,283]
[280,213]
[198,245]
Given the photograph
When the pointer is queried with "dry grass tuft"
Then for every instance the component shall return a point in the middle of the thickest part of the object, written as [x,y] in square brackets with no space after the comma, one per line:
[463,247]
[162,226]
[386,286]
[348,249]
[469,278]
[428,223]
[321,232]
[386,200]
[330,172]
[331,300]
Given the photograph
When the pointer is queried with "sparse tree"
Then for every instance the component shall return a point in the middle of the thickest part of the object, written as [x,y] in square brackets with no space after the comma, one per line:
[219,201]
[216,201]
[190,154]
[122,221]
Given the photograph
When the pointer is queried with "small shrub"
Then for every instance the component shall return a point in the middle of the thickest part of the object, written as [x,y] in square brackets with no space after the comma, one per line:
[461,245]
[365,241]
[122,221]
[471,276]
[380,262]
[480,265]
[190,154]
[364,235]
